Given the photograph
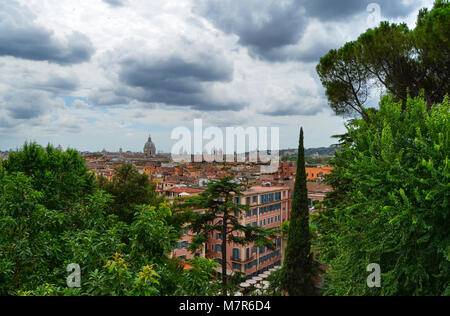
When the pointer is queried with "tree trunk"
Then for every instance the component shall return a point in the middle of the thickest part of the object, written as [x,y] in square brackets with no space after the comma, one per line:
[224,256]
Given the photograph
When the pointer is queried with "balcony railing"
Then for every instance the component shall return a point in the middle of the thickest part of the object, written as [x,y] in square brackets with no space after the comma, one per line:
[244,260]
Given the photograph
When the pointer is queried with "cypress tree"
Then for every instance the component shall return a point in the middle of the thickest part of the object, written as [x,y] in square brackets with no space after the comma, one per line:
[298,267]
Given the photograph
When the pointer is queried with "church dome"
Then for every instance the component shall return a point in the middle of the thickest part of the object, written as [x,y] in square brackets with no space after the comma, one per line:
[149,147]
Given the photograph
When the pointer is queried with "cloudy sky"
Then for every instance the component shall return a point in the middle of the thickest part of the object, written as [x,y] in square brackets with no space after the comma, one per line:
[94,74]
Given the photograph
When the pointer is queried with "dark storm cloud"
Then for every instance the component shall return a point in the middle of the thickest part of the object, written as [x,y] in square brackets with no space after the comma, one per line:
[27,104]
[62,83]
[332,10]
[111,96]
[178,81]
[115,3]
[262,25]
[175,73]
[295,109]
[58,84]
[21,38]
[270,28]
[311,54]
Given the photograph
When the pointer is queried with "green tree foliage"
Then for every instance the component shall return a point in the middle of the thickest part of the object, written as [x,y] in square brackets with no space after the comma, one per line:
[129,189]
[285,229]
[118,279]
[298,267]
[431,38]
[151,235]
[62,177]
[114,279]
[401,60]
[198,279]
[345,79]
[221,214]
[274,288]
[22,220]
[37,243]
[390,203]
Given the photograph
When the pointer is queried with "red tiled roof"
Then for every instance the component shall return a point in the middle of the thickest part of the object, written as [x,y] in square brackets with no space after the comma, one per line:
[187,266]
[185,190]
[318,187]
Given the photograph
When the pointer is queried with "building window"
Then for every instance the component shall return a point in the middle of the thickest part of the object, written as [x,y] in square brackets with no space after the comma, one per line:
[255,199]
[236,253]
[248,201]
[236,266]
[278,196]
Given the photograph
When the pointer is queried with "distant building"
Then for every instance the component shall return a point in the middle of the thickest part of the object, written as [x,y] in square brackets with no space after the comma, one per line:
[178,191]
[318,173]
[150,148]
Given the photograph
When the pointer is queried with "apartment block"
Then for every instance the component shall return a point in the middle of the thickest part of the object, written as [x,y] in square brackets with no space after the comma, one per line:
[269,207]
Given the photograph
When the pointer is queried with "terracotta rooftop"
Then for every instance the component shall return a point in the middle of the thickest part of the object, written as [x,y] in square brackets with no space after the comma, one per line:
[318,187]
[261,189]
[185,190]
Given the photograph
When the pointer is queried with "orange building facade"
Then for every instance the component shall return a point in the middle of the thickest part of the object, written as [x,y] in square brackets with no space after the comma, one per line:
[318,173]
